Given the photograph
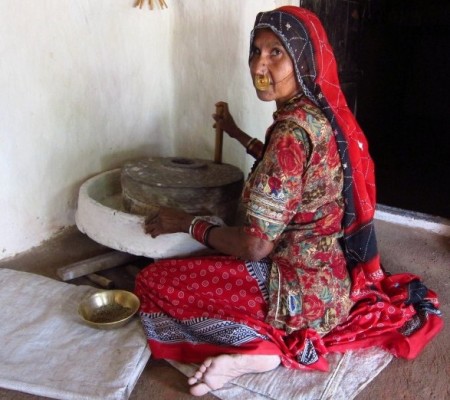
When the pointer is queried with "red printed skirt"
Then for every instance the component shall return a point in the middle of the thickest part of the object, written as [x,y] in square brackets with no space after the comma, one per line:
[194,308]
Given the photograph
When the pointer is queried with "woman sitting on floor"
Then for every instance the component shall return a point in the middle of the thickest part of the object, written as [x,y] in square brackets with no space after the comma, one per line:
[301,277]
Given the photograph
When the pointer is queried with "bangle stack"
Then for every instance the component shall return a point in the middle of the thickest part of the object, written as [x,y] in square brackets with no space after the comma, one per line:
[200,229]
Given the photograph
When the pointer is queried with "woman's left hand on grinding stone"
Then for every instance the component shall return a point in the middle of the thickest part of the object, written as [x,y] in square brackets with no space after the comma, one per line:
[167,220]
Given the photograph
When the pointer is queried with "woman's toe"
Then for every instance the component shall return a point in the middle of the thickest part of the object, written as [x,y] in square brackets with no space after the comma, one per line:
[192,380]
[200,389]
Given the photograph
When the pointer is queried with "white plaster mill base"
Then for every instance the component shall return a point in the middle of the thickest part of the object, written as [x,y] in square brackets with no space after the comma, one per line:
[100,216]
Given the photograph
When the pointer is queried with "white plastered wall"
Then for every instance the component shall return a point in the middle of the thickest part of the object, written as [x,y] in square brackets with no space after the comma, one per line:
[88,84]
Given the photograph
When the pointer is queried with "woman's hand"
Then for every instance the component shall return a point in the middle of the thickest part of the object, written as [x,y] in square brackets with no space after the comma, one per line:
[227,240]
[167,220]
[225,121]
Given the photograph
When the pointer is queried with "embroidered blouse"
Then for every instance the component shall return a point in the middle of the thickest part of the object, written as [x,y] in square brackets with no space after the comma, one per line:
[293,197]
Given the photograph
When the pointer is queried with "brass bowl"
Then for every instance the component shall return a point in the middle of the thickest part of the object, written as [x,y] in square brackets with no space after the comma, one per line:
[109,309]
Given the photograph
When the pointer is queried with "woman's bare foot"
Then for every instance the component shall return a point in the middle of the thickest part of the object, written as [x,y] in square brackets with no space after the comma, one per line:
[215,372]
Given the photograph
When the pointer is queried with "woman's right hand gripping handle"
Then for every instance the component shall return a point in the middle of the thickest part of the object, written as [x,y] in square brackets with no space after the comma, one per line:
[225,121]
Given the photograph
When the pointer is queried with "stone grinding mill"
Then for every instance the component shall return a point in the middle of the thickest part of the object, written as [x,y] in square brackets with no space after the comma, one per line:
[112,206]
[199,187]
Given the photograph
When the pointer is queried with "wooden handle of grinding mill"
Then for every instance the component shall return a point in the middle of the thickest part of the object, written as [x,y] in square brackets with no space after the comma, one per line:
[219,139]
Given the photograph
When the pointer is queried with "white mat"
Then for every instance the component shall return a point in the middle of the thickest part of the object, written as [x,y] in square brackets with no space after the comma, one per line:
[349,374]
[46,349]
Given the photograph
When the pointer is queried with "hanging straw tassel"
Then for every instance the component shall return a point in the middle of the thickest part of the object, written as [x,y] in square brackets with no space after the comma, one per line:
[140,4]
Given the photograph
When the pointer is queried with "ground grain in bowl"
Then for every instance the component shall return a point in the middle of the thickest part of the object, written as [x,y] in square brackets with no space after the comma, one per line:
[110,313]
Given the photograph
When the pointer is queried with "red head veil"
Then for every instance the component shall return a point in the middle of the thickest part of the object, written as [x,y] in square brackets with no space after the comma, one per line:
[306,41]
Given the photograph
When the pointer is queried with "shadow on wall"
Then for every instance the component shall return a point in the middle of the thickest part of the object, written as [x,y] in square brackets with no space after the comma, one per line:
[201,71]
[119,158]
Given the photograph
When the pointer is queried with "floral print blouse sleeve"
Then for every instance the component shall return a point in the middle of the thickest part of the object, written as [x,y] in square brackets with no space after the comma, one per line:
[274,189]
